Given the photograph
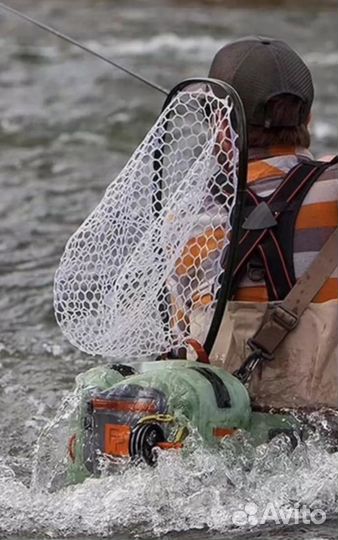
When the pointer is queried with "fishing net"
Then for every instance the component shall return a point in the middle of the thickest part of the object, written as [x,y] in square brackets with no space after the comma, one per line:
[140,276]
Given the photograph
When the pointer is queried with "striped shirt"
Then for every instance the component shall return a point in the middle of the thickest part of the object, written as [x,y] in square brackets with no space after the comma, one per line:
[316,220]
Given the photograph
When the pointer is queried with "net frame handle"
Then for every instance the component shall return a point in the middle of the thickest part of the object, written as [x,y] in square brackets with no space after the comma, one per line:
[225,290]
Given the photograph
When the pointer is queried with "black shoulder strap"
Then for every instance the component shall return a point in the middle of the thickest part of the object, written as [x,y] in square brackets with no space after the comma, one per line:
[273,246]
[278,247]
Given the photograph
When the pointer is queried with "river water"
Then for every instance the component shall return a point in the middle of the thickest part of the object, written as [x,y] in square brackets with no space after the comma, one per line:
[68,123]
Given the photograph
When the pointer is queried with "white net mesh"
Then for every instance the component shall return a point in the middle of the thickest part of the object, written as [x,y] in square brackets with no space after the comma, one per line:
[141,274]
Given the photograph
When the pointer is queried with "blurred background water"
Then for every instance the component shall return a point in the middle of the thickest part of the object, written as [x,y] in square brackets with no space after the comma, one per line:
[68,123]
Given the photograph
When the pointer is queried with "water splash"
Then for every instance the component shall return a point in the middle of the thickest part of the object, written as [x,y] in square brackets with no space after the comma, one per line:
[200,490]
[50,457]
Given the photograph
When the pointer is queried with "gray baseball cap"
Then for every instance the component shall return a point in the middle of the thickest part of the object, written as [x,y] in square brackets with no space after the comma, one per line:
[261,68]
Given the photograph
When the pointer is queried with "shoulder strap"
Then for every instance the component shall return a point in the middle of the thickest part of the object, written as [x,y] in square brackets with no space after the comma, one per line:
[278,247]
[284,317]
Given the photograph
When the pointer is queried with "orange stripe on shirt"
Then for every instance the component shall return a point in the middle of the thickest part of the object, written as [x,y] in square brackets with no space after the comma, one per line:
[318,215]
[329,291]
[261,170]
[252,294]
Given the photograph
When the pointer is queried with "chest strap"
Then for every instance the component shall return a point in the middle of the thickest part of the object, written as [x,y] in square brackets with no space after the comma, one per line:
[270,248]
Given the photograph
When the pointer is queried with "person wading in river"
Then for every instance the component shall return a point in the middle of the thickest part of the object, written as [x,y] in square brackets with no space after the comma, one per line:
[277,93]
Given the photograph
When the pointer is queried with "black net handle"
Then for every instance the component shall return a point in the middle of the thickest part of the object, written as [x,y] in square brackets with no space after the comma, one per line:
[224,293]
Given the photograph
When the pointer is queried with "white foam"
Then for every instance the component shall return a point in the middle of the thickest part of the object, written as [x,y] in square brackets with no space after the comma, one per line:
[322,59]
[82,137]
[204,46]
[323,130]
[201,490]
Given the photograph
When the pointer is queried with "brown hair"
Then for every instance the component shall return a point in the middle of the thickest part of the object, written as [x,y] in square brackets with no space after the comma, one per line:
[283,111]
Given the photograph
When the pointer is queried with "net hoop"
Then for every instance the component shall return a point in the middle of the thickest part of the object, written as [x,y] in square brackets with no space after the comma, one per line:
[143,273]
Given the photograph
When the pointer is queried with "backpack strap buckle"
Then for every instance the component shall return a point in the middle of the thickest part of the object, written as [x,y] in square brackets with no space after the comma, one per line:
[285,317]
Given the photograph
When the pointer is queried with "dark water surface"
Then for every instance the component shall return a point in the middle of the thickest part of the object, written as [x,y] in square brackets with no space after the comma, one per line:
[67,125]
